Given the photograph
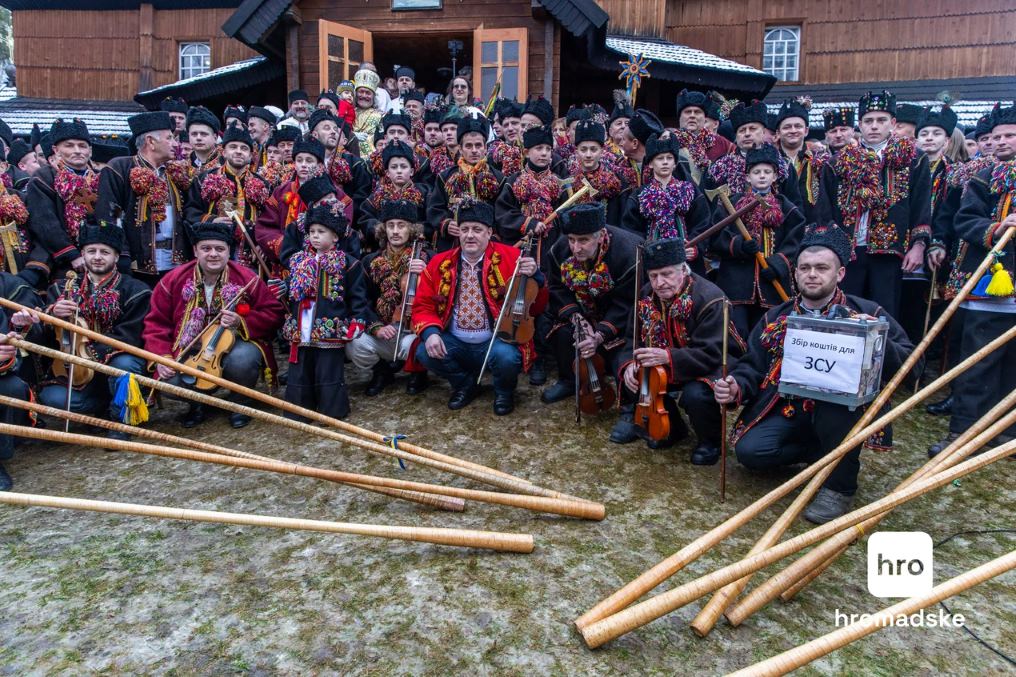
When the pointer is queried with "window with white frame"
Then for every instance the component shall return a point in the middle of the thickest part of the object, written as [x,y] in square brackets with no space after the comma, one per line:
[195,59]
[781,52]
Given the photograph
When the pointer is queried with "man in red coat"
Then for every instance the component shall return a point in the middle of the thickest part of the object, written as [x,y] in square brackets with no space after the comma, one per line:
[204,290]
[457,304]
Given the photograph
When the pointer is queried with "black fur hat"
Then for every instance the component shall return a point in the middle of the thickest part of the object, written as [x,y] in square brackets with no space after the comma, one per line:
[199,115]
[838,117]
[470,124]
[310,146]
[657,146]
[509,109]
[262,113]
[234,112]
[584,219]
[399,209]
[104,233]
[330,96]
[663,253]
[743,114]
[590,130]
[432,116]
[209,230]
[535,136]
[764,154]
[396,120]
[944,118]
[792,108]
[171,105]
[576,113]
[142,123]
[877,101]
[298,95]
[908,112]
[396,149]
[18,150]
[33,140]
[413,95]
[332,219]
[6,133]
[692,98]
[477,212]
[622,109]
[405,71]
[1003,116]
[315,189]
[236,133]
[62,131]
[983,126]
[320,115]
[643,124]
[831,237]
[286,133]
[541,108]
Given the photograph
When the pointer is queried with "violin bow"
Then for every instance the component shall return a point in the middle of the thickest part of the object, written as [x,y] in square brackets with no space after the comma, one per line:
[233,214]
[417,250]
[500,316]
[723,407]
[229,306]
[69,290]
[578,334]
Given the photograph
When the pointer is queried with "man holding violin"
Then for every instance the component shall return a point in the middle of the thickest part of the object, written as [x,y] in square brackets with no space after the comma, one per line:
[680,325]
[591,273]
[460,296]
[104,301]
[191,302]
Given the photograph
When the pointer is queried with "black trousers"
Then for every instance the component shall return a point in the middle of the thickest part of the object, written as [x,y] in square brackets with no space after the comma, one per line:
[983,385]
[12,386]
[699,405]
[804,437]
[562,343]
[745,316]
[876,277]
[317,381]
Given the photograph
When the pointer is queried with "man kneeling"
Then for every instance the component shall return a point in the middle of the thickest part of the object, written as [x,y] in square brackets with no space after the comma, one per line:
[680,320]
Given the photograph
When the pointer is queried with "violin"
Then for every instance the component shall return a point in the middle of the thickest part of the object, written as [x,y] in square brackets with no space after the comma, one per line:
[404,313]
[591,392]
[516,324]
[210,348]
[650,412]
[73,344]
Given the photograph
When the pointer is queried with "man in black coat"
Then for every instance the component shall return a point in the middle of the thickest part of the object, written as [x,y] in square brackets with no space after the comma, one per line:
[775,430]
[591,273]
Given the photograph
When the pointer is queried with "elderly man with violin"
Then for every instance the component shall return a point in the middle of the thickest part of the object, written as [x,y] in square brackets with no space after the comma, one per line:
[392,276]
[104,301]
[216,315]
[460,300]
[592,281]
[672,356]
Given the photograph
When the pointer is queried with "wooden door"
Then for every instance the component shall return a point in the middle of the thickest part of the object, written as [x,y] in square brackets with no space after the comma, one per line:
[504,52]
[341,50]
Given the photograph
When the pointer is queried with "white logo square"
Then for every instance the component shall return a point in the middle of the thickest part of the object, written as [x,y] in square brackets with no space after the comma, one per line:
[900,563]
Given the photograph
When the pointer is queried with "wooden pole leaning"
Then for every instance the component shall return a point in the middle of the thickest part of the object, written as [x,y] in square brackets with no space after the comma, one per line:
[996,421]
[666,568]
[708,616]
[433,500]
[465,538]
[589,509]
[537,503]
[649,610]
[252,393]
[826,644]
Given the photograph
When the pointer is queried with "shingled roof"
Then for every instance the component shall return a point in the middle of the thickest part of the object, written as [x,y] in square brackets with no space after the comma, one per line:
[104,118]
[216,82]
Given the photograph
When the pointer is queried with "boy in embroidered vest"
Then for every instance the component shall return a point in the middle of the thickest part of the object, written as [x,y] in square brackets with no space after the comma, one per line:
[530,196]
[315,192]
[505,153]
[327,307]
[136,193]
[111,304]
[879,192]
[985,214]
[457,303]
[667,206]
[397,128]
[203,131]
[384,270]
[187,300]
[776,227]
[232,187]
[592,163]
[471,177]
[396,184]
[59,201]
[592,273]
[681,329]
[775,430]
[346,170]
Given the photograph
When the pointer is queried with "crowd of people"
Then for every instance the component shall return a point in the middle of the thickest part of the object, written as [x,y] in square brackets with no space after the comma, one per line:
[421,233]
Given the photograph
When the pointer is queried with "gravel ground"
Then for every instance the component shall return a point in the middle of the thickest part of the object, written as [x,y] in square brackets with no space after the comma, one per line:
[92,593]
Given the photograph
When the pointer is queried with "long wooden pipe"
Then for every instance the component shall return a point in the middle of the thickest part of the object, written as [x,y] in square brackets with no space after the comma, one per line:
[591,510]
[429,499]
[465,538]
[537,503]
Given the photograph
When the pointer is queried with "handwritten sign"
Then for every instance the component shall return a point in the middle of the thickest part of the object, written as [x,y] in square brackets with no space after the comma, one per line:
[822,360]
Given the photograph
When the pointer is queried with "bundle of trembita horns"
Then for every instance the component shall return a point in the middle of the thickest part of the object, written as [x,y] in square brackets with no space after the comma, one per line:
[621,612]
[517,492]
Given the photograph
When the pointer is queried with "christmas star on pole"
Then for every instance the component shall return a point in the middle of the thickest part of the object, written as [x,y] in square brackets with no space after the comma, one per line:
[633,70]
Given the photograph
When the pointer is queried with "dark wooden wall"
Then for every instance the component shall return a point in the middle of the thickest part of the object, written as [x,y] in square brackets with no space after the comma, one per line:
[457,16]
[861,41]
[111,55]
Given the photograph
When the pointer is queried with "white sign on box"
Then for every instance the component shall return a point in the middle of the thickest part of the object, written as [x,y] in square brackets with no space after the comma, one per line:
[822,360]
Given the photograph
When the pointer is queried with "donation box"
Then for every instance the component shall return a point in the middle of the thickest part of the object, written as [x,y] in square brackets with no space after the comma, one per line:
[833,360]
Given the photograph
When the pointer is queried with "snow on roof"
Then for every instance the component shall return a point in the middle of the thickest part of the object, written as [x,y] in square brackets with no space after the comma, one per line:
[967,112]
[661,50]
[100,123]
[214,73]
[7,92]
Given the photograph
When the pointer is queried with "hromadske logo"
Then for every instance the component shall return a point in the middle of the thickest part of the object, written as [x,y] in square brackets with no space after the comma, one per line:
[900,563]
